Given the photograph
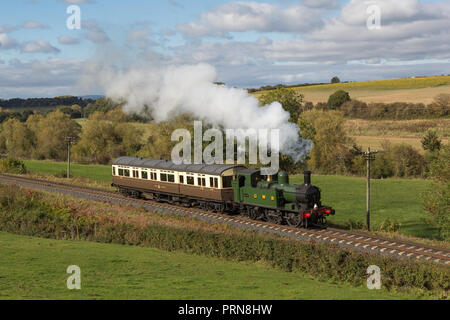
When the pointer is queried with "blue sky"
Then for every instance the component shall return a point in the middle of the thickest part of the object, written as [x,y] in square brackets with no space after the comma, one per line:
[250,43]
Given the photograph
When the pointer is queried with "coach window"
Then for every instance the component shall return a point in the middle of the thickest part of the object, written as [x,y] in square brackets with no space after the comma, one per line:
[171,178]
[202,182]
[121,172]
[227,181]
[163,177]
[114,171]
[190,180]
[181,179]
[144,175]
[213,182]
[127,173]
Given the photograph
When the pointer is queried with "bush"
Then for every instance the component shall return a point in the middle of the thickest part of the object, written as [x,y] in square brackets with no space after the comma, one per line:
[431,141]
[436,201]
[406,161]
[354,225]
[9,165]
[382,167]
[337,99]
[390,225]
[354,109]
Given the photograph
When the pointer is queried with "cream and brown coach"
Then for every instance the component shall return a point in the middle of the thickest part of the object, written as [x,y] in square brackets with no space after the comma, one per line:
[163,180]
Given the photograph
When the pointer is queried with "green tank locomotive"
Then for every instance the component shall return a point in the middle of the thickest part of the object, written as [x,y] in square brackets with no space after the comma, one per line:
[272,198]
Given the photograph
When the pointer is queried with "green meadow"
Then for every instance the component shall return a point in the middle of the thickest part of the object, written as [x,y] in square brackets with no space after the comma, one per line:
[35,268]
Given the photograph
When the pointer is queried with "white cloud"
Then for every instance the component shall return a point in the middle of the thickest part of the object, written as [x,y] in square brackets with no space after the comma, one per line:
[47,78]
[6,42]
[7,28]
[38,46]
[328,4]
[410,31]
[95,33]
[67,40]
[256,16]
[77,1]
[34,25]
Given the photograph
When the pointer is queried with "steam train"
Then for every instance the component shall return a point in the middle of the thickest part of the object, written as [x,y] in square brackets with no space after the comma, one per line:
[231,189]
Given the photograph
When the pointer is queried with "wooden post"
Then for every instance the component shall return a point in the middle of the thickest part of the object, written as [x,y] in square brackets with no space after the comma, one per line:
[369,156]
[68,159]
[368,192]
[70,141]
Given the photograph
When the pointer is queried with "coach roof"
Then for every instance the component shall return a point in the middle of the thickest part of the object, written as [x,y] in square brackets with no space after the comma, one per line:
[212,169]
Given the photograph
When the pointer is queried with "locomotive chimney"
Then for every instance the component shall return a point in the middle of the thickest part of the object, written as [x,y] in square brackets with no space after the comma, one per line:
[307,177]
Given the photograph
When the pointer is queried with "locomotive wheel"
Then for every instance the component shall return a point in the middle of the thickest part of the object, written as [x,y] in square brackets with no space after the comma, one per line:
[255,213]
[274,217]
[294,220]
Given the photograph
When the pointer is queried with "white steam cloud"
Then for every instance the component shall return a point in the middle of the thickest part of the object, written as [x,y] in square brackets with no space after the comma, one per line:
[169,90]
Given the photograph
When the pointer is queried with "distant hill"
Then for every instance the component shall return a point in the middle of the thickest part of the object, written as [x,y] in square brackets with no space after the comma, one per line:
[92,97]
[411,90]
[39,103]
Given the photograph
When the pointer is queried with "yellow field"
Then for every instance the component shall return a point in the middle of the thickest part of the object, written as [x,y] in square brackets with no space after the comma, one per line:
[417,90]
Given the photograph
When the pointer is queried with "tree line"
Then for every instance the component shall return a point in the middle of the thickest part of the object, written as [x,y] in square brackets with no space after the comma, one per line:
[110,133]
[38,103]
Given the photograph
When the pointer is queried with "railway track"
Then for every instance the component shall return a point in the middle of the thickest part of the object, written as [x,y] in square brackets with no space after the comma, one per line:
[345,239]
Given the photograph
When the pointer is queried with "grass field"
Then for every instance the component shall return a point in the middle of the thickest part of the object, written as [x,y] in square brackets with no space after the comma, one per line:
[396,90]
[35,268]
[93,172]
[397,199]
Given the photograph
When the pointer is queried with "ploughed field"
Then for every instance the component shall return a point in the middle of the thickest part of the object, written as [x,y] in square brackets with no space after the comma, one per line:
[397,200]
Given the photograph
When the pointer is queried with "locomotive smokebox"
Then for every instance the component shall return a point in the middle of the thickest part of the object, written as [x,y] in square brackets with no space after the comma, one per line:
[307,177]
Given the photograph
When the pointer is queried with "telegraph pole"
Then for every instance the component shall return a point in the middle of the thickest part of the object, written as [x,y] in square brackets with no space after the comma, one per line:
[368,156]
[70,141]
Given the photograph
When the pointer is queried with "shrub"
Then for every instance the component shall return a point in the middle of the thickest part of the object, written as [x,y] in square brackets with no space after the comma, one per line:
[354,225]
[9,165]
[431,141]
[390,225]
[436,201]
[406,161]
[354,109]
[382,167]
[337,99]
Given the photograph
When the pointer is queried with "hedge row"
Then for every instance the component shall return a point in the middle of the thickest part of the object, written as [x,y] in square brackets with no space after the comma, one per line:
[27,214]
